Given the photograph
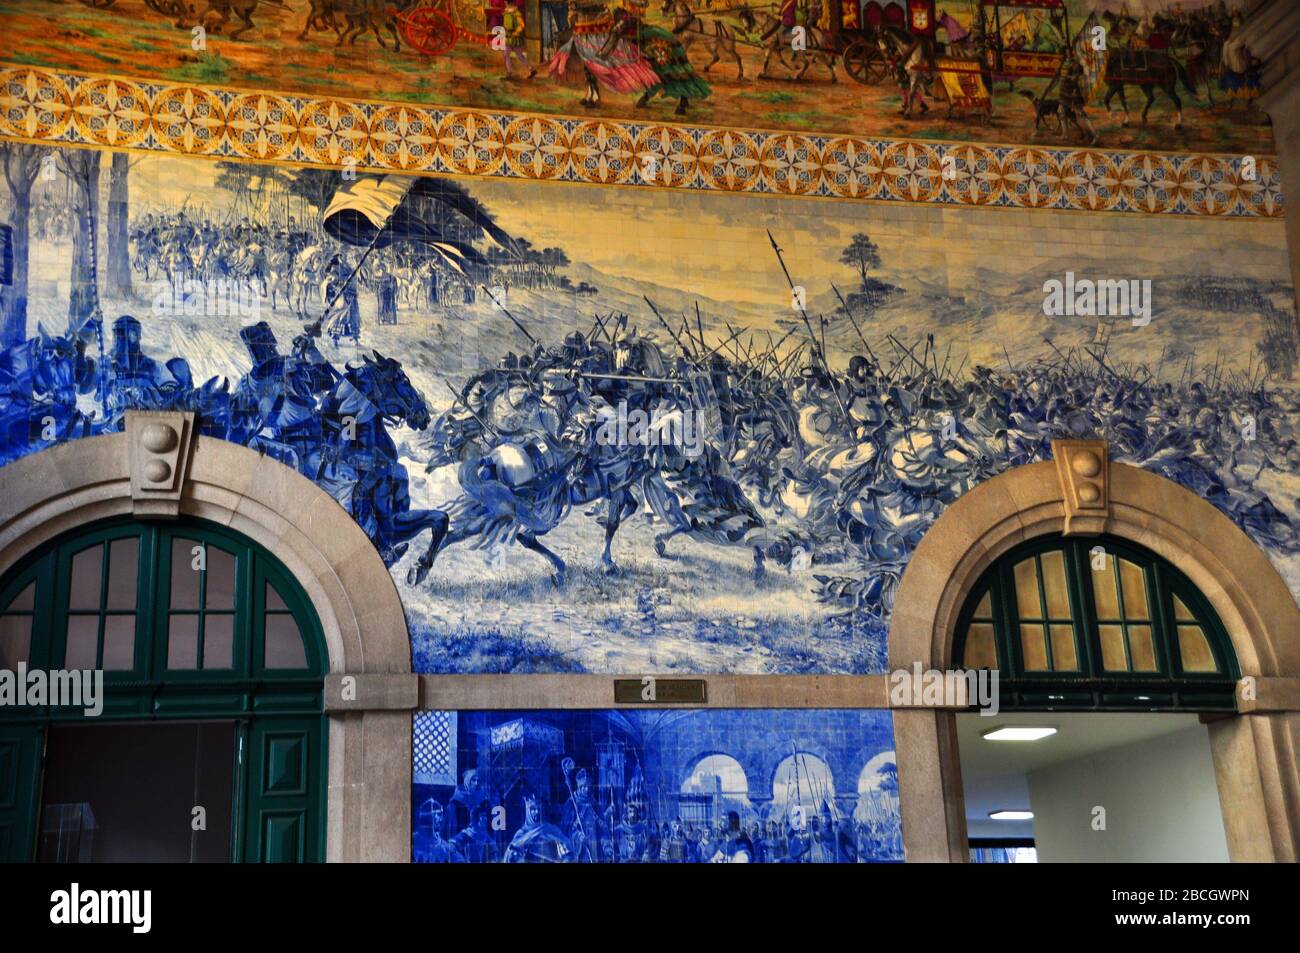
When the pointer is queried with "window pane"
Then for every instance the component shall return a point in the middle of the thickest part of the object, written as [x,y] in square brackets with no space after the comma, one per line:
[85,578]
[980,652]
[25,599]
[83,641]
[1033,646]
[15,640]
[123,562]
[1135,590]
[221,579]
[1140,648]
[183,642]
[284,647]
[185,580]
[982,611]
[1064,658]
[275,604]
[1181,612]
[218,641]
[1195,649]
[1058,595]
[1104,592]
[1112,648]
[119,642]
[1026,573]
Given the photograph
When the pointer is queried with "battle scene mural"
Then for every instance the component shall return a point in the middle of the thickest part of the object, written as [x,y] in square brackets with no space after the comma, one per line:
[642,786]
[1118,74]
[595,430]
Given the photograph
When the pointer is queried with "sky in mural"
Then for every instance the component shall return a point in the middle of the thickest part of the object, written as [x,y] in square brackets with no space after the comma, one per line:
[684,786]
[591,430]
[937,69]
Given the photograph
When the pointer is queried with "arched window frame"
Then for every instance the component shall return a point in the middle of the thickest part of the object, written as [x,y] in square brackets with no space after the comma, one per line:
[149,688]
[1170,687]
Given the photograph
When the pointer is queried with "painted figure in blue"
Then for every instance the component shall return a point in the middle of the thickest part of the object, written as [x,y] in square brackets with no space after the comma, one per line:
[468,798]
[581,821]
[537,841]
[474,842]
[40,381]
[428,844]
[631,840]
[342,318]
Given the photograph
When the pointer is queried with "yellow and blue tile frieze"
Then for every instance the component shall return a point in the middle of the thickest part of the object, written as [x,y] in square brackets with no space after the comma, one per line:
[56,106]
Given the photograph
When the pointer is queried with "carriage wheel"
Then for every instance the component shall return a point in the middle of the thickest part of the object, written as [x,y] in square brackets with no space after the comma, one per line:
[856,56]
[428,30]
[865,62]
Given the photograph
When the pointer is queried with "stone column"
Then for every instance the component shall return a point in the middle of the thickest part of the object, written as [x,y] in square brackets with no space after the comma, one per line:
[1272,33]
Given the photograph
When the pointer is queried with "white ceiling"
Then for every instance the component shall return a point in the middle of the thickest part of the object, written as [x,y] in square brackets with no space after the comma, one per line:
[993,772]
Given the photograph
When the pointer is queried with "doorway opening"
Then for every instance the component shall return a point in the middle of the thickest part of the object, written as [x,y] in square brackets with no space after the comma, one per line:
[1101,788]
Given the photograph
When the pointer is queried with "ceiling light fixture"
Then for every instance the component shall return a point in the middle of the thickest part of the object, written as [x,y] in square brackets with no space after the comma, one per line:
[1018,733]
[1012,815]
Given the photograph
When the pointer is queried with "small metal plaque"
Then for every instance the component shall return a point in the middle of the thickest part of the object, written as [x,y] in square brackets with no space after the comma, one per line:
[650,690]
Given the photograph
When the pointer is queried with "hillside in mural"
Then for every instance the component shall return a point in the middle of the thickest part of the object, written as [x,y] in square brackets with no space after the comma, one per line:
[590,432]
[1165,75]
[633,787]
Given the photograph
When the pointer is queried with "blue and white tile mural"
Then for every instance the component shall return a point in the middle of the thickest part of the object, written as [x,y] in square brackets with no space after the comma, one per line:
[592,430]
[641,786]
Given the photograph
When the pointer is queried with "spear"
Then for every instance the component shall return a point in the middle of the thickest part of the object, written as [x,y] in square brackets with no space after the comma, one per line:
[685,351]
[514,320]
[464,403]
[854,322]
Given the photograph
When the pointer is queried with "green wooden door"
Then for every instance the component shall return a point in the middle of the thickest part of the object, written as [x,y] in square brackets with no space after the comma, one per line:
[282,796]
[21,748]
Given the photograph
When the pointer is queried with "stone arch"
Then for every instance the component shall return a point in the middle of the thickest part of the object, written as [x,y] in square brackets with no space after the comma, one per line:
[86,480]
[1254,755]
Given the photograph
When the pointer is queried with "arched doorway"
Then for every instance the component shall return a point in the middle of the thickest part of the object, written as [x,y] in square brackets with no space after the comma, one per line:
[715,786]
[369,691]
[1082,495]
[207,739]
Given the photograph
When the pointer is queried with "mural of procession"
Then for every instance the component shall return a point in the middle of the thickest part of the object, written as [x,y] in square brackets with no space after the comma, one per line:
[634,787]
[1142,74]
[583,447]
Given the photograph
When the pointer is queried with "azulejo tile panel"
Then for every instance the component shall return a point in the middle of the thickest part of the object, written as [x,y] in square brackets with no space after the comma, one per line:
[65,107]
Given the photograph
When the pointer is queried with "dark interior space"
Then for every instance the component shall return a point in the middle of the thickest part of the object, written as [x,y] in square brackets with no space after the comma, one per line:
[127,792]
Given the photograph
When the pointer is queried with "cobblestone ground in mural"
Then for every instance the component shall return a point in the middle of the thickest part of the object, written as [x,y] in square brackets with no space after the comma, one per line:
[686,786]
[705,442]
[1173,74]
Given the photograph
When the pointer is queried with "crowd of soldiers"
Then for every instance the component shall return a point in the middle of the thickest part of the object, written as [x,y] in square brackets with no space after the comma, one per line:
[810,465]
[468,829]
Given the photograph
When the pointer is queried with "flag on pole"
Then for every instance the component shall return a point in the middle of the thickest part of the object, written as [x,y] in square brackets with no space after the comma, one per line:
[378,211]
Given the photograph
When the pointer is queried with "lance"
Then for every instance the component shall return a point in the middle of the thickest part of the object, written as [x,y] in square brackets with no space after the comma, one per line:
[464,403]
[686,352]
[854,322]
[629,377]
[699,325]
[504,310]
[808,324]
[802,313]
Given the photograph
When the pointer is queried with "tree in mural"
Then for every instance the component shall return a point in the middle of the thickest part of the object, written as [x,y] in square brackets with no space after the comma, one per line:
[21,164]
[863,255]
[81,166]
[117,247]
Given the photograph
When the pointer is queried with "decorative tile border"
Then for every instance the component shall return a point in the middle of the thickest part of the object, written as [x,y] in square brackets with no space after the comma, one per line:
[60,107]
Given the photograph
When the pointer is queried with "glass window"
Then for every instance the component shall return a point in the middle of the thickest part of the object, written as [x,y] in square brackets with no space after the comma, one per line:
[284,645]
[1030,600]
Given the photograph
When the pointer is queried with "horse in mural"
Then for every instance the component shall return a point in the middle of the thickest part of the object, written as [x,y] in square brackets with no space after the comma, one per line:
[40,381]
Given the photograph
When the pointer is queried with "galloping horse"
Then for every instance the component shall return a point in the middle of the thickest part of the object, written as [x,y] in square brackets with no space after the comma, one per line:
[356,461]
